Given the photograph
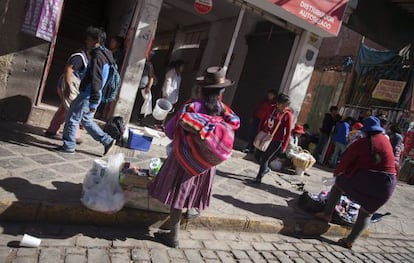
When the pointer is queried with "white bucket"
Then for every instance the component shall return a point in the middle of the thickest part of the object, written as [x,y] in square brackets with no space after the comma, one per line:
[161,110]
[29,241]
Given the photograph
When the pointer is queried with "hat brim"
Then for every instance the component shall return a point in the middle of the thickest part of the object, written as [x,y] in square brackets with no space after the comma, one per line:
[372,129]
[226,83]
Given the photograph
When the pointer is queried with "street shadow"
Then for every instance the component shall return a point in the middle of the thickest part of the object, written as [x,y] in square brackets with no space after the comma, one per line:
[233,176]
[47,210]
[324,168]
[273,190]
[261,209]
[22,135]
[295,221]
[28,136]
[15,108]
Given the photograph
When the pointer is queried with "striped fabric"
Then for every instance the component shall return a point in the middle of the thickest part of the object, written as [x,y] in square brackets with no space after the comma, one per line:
[204,141]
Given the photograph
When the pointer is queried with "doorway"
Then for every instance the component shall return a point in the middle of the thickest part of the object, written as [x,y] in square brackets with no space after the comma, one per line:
[112,15]
[268,53]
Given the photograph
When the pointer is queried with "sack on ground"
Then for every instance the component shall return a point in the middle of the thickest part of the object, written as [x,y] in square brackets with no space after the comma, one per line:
[115,127]
[311,202]
[101,189]
[262,141]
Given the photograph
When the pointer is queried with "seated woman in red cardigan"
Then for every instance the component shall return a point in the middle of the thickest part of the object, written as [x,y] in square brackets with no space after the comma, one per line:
[366,174]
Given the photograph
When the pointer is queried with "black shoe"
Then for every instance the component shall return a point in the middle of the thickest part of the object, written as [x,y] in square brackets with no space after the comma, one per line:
[109,147]
[266,171]
[62,150]
[166,239]
[50,134]
[255,181]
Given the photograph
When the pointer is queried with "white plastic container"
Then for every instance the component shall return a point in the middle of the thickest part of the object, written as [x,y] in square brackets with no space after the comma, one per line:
[29,241]
[161,110]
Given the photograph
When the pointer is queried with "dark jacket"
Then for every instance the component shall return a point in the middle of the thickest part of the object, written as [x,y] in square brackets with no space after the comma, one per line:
[328,123]
[96,76]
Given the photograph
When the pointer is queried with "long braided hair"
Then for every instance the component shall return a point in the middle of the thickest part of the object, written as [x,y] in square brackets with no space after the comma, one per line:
[211,101]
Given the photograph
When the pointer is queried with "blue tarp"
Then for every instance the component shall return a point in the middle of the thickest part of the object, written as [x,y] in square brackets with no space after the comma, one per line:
[370,56]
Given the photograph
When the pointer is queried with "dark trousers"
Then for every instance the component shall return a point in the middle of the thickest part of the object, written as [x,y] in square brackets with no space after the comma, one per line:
[253,132]
[323,140]
[265,157]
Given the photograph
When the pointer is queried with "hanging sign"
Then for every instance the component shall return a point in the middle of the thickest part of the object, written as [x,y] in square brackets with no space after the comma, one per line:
[389,90]
[203,7]
[42,18]
[325,14]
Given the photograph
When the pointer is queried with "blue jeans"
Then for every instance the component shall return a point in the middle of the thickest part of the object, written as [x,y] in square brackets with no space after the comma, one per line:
[266,157]
[338,151]
[79,112]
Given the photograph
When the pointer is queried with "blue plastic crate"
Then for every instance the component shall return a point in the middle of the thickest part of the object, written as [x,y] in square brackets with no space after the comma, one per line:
[137,141]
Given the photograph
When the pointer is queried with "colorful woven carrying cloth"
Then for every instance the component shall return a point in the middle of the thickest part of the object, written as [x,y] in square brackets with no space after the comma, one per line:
[203,141]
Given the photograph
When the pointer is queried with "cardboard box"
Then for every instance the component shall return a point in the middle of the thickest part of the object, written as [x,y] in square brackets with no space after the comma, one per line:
[128,181]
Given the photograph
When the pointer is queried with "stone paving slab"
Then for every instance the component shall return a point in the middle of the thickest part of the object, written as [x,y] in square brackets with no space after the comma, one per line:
[43,185]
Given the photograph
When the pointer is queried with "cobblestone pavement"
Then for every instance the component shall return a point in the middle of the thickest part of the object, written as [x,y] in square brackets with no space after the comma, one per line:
[78,244]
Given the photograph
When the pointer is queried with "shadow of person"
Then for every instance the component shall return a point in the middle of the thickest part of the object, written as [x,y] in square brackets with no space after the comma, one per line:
[261,209]
[232,176]
[47,210]
[295,221]
[22,135]
[273,190]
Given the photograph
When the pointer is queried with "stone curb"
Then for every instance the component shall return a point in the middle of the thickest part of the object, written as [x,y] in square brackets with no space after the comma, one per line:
[76,213]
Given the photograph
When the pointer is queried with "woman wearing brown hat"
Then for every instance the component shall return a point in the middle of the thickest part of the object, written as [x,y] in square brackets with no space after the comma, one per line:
[279,122]
[186,178]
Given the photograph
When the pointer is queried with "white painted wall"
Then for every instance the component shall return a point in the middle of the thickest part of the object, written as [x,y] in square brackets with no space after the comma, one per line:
[300,68]
[219,38]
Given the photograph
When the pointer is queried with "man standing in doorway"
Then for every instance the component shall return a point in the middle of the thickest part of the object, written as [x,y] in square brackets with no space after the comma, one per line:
[328,124]
[83,108]
[172,82]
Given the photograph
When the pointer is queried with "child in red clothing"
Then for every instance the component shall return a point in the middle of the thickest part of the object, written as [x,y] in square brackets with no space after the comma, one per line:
[259,117]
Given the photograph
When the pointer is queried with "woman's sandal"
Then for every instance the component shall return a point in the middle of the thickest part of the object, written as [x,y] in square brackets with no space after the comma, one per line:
[343,242]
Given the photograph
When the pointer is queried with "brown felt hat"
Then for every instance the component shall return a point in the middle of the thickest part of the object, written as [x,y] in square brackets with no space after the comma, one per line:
[214,78]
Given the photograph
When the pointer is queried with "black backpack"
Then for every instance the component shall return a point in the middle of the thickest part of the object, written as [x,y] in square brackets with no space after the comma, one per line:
[115,127]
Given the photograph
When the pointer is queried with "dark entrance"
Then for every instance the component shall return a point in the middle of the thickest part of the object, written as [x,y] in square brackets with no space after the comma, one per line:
[77,16]
[269,51]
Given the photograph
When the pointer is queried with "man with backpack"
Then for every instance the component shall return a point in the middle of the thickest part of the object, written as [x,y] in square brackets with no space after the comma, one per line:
[99,73]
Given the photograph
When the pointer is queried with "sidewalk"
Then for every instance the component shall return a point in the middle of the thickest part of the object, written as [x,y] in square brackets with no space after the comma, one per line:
[37,184]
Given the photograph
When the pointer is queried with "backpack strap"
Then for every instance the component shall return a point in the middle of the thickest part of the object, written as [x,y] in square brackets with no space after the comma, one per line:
[82,55]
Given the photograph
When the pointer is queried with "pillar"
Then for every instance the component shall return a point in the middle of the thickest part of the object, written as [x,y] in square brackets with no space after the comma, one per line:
[145,21]
[300,68]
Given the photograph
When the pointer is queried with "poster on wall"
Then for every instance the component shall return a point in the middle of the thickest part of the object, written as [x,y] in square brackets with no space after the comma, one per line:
[325,14]
[389,90]
[42,18]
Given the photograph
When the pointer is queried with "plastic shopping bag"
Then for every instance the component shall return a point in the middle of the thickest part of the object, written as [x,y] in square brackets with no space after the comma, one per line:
[146,108]
[101,189]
